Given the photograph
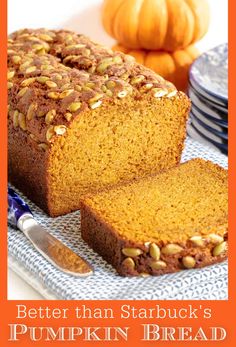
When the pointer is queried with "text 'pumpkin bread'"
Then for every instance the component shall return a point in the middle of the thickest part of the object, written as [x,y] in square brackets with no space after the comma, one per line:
[82,117]
[163,223]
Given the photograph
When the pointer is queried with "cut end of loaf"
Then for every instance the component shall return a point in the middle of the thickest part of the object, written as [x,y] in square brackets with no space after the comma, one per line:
[124,140]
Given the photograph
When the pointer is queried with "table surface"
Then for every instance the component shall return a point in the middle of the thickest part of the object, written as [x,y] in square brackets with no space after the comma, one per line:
[84,17]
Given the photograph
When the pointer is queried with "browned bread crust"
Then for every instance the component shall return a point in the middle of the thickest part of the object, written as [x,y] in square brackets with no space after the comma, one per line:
[56,78]
[145,248]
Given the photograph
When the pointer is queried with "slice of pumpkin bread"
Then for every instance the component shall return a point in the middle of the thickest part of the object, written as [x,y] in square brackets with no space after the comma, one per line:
[163,223]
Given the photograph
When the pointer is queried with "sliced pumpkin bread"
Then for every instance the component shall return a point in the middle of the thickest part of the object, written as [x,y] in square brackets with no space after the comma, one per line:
[164,223]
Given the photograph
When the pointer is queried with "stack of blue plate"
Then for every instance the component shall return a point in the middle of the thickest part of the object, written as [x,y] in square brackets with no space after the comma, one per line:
[208,91]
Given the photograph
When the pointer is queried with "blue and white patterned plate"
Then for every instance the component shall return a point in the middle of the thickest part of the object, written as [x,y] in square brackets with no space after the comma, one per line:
[209,73]
[209,111]
[209,127]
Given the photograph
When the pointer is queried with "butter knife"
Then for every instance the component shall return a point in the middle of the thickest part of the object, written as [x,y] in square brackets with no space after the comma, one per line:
[58,254]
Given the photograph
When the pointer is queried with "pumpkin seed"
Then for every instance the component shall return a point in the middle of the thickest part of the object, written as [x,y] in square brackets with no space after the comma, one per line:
[117,59]
[95,104]
[50,133]
[158,265]
[154,251]
[43,146]
[22,121]
[173,93]
[51,84]
[66,93]
[197,241]
[49,116]
[129,263]
[30,113]
[33,137]
[16,59]
[132,252]
[171,248]
[104,65]
[37,47]
[137,79]
[27,82]
[188,262]
[219,249]
[10,75]
[68,116]
[60,129]
[110,84]
[42,79]
[15,119]
[22,91]
[9,85]
[53,95]
[74,106]
[45,37]
[30,69]
[122,94]
[159,92]
[214,238]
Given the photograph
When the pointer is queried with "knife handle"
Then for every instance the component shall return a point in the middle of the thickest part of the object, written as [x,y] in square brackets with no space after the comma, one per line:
[16,207]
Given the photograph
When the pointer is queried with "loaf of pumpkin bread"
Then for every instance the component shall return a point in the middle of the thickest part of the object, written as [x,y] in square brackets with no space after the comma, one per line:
[163,223]
[82,117]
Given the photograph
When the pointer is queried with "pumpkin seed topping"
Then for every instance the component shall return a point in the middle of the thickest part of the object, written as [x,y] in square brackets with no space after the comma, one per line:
[171,248]
[132,252]
[188,262]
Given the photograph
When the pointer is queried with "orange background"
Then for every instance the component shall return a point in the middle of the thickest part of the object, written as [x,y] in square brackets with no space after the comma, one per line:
[223,312]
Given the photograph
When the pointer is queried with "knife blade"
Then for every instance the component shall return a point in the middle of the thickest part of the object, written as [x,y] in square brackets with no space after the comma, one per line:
[57,253]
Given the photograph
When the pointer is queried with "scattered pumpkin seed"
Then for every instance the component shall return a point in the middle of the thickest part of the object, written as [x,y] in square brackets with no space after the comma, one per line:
[50,133]
[129,263]
[51,84]
[53,95]
[173,93]
[219,249]
[27,81]
[68,116]
[74,106]
[189,262]
[171,248]
[9,85]
[30,69]
[154,251]
[16,59]
[60,129]
[158,265]
[45,37]
[43,146]
[137,79]
[22,121]
[42,79]
[22,91]
[49,116]
[10,75]
[197,241]
[15,118]
[132,252]
[95,104]
[214,238]
[159,92]
[30,113]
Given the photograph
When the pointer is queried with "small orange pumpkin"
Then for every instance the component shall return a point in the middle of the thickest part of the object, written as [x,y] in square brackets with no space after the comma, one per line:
[156,24]
[174,67]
